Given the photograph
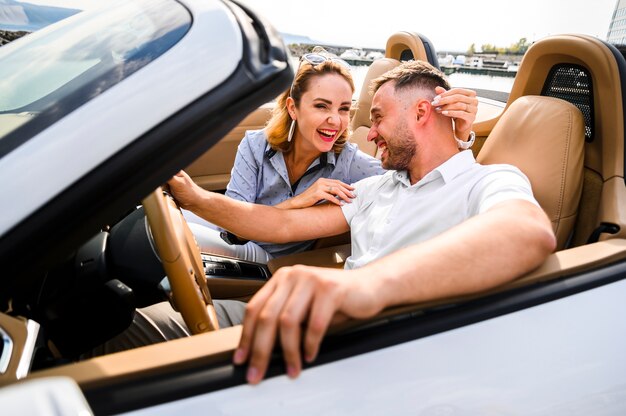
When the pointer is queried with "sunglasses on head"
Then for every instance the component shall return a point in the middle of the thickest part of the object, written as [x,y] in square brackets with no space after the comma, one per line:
[316,59]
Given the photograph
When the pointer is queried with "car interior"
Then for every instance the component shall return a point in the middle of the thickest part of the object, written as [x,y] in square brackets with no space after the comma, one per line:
[562,125]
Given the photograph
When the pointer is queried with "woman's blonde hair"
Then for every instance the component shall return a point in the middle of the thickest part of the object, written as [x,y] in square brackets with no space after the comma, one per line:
[277,127]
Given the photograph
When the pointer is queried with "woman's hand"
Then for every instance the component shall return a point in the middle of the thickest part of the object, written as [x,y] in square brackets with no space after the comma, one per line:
[461,105]
[184,190]
[331,190]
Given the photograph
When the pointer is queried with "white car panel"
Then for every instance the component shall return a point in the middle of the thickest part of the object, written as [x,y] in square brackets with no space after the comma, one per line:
[54,396]
[564,357]
[58,156]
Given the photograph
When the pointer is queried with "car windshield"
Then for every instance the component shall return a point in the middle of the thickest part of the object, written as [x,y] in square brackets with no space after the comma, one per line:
[43,78]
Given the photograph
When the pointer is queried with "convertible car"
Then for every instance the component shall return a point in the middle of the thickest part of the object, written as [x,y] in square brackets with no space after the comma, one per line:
[99,110]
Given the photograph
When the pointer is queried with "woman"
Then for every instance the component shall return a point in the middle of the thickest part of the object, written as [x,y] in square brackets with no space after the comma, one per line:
[303,157]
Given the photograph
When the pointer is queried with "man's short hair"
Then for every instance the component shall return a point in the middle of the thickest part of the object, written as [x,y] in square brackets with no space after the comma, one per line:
[412,74]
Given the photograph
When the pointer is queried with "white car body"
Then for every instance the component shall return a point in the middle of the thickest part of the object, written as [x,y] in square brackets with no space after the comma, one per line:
[554,347]
[551,359]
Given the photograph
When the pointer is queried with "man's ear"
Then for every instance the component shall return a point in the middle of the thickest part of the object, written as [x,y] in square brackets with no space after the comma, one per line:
[423,110]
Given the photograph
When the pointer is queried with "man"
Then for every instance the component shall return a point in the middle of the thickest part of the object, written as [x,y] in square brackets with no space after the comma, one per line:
[438,225]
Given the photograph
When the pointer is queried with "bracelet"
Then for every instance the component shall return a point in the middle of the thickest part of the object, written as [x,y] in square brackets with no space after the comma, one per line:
[466,145]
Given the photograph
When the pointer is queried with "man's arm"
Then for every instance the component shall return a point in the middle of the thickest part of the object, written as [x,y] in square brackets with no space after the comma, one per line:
[258,222]
[508,240]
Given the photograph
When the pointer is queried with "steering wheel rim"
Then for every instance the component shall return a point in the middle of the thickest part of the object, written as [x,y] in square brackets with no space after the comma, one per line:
[181,259]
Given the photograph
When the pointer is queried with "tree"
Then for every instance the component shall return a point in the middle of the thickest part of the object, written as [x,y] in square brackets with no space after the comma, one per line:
[487,47]
[520,47]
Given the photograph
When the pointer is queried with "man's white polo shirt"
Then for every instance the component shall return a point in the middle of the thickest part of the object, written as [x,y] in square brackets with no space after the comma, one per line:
[389,213]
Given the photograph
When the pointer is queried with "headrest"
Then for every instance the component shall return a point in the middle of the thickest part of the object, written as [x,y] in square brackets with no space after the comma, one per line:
[544,138]
[409,45]
[376,69]
[361,120]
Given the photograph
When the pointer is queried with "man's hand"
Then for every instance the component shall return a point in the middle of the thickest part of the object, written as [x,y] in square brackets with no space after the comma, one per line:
[294,296]
[184,190]
[460,104]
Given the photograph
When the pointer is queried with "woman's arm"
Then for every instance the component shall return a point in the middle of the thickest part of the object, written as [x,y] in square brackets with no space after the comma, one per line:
[254,221]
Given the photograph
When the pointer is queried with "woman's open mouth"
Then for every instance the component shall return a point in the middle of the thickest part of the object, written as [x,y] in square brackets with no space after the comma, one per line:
[327,135]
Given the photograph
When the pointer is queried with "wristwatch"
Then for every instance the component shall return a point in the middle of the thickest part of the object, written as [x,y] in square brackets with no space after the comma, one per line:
[466,145]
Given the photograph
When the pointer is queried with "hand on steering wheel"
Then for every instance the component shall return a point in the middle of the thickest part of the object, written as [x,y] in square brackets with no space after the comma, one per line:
[181,259]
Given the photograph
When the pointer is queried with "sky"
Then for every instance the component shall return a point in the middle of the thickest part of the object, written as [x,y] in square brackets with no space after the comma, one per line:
[450,25]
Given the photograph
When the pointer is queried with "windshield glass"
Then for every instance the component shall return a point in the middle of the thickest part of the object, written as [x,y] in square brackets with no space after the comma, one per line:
[46,75]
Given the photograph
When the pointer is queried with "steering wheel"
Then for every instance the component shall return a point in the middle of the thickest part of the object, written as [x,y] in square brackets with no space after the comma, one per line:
[181,259]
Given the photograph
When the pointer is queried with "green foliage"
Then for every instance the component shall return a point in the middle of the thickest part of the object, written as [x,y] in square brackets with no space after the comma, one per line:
[518,48]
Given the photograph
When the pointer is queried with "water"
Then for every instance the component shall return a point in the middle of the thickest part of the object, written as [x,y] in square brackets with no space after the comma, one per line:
[485,82]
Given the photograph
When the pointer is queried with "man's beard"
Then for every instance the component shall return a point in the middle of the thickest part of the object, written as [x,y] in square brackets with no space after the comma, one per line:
[401,150]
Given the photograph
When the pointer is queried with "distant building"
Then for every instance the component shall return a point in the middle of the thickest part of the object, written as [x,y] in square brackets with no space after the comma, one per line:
[617,28]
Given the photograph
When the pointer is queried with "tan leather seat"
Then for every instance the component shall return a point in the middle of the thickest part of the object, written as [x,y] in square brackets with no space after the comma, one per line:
[361,123]
[404,46]
[590,74]
[544,138]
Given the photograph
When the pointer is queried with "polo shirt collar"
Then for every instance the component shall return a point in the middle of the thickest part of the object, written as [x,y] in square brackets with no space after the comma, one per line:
[401,176]
[456,165]
[448,170]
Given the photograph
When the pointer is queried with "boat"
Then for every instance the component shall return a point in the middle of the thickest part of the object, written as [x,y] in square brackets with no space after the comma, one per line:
[356,56]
